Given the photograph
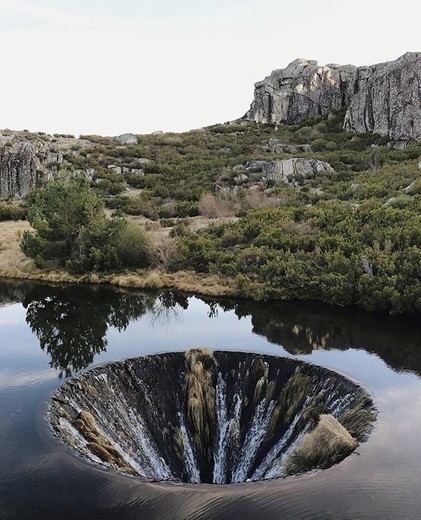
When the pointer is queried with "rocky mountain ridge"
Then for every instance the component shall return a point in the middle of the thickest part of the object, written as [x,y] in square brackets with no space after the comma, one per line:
[383,98]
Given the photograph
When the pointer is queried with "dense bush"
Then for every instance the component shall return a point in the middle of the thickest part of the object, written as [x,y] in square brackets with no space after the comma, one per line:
[12,211]
[369,256]
[346,237]
[72,231]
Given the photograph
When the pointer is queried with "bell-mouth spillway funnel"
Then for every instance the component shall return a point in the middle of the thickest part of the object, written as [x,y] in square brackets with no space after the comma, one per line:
[214,417]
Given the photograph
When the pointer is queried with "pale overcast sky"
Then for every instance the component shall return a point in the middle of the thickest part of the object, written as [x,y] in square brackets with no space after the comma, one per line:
[115,66]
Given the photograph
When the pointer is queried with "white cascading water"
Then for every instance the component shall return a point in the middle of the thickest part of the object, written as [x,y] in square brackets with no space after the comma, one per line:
[227,429]
[272,464]
[149,461]
[222,429]
[190,462]
[254,437]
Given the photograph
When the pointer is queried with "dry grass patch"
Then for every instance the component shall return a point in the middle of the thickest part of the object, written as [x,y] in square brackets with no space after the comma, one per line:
[186,281]
[13,263]
[328,443]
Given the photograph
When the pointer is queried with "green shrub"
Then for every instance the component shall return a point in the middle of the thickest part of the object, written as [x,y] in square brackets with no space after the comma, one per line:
[369,256]
[12,211]
[319,145]
[132,245]
[73,232]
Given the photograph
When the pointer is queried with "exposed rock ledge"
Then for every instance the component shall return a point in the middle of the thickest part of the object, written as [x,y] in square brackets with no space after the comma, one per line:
[288,171]
[18,168]
[383,98]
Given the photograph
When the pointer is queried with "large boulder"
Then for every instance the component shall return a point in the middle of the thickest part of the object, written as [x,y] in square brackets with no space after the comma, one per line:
[304,90]
[126,139]
[287,171]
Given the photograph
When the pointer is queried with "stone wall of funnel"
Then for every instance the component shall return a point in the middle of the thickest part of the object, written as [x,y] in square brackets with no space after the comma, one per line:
[216,417]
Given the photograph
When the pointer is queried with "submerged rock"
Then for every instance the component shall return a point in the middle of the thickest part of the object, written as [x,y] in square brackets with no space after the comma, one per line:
[216,417]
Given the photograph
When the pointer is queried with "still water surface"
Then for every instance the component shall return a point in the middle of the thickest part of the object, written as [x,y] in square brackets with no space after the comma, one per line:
[48,333]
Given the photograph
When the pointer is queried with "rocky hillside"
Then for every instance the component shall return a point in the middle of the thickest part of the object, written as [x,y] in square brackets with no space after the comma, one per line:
[307,125]
[27,159]
[383,98]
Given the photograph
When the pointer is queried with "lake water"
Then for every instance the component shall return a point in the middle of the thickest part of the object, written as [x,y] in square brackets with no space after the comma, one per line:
[48,333]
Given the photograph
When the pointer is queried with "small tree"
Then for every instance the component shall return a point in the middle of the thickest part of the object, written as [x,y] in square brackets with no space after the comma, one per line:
[73,231]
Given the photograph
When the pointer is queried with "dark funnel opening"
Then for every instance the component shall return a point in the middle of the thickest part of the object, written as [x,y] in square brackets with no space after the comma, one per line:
[216,417]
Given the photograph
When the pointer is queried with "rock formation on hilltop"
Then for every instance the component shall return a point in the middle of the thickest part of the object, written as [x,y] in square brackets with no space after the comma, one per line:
[26,159]
[383,98]
[18,167]
[390,102]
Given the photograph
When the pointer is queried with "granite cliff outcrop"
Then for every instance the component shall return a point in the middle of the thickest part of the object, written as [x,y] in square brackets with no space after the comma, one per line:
[383,98]
[26,159]
[390,102]
[19,168]
[268,174]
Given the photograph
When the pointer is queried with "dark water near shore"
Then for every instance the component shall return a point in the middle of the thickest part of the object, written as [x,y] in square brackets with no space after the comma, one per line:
[48,333]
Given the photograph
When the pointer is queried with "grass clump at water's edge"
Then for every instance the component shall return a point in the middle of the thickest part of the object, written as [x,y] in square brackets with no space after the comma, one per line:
[328,443]
[14,264]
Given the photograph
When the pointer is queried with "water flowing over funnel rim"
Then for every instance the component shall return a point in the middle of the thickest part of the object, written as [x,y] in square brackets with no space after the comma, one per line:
[211,417]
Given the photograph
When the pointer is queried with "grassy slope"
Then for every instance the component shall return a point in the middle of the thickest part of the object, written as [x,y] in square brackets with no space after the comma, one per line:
[14,264]
[318,217]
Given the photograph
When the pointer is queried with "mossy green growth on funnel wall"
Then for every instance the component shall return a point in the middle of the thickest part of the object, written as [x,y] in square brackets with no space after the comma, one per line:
[216,417]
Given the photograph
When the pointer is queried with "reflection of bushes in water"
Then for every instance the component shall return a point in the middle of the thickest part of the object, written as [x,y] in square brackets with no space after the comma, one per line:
[300,328]
[167,306]
[71,322]
[12,292]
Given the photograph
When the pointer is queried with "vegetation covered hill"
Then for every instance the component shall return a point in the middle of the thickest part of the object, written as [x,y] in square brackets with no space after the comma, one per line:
[348,233]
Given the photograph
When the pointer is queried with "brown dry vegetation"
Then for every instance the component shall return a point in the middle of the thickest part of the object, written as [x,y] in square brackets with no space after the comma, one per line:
[14,264]
[327,443]
[227,203]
